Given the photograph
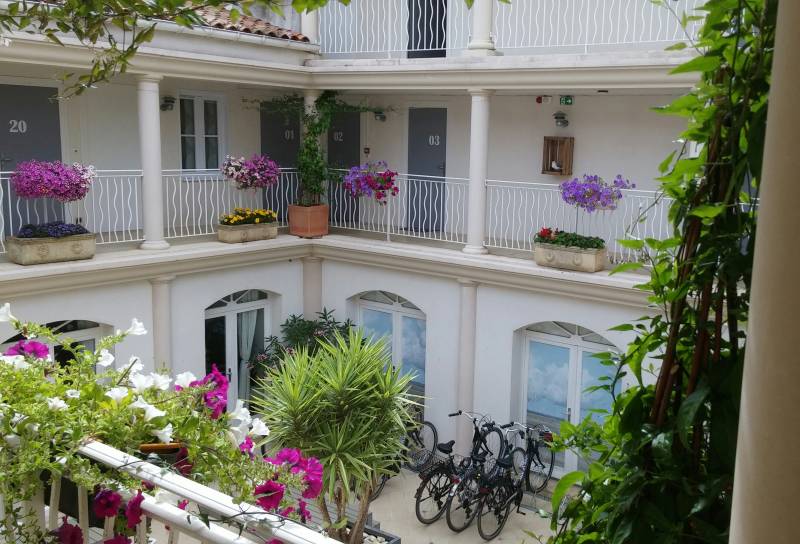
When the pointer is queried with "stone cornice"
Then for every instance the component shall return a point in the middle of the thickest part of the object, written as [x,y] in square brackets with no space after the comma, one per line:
[117,267]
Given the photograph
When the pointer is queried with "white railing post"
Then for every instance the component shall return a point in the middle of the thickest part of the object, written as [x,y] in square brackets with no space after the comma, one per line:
[478,170]
[150,148]
[480,42]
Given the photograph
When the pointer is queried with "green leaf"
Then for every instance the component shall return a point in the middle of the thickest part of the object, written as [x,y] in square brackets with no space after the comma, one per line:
[677,46]
[631,244]
[626,267]
[708,211]
[688,411]
[565,484]
[698,64]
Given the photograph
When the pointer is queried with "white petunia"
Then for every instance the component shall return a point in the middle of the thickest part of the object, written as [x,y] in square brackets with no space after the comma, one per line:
[150,411]
[162,495]
[17,361]
[135,364]
[161,381]
[136,328]
[5,313]
[259,428]
[12,440]
[55,403]
[105,358]
[240,413]
[184,379]
[72,394]
[117,393]
[140,382]
[165,434]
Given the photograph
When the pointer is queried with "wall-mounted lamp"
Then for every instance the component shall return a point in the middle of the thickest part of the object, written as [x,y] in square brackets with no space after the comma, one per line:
[167,103]
[380,116]
[561,119]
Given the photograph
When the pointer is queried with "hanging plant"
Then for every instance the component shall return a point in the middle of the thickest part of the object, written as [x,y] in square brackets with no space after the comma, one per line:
[371,179]
[63,182]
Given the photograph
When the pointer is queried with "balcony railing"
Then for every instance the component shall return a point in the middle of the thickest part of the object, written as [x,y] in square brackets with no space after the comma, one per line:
[431,28]
[428,207]
[252,524]
[515,211]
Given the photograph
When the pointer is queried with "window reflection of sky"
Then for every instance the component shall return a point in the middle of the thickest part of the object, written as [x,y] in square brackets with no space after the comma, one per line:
[592,371]
[548,379]
[378,324]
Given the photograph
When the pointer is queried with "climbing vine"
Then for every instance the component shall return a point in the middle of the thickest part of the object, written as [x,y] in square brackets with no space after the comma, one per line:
[661,465]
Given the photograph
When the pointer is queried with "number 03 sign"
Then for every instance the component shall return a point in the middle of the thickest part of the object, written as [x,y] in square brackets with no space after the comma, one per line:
[433,139]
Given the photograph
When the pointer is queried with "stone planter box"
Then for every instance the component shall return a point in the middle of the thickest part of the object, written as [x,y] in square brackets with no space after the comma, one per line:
[234,234]
[27,251]
[570,258]
[308,221]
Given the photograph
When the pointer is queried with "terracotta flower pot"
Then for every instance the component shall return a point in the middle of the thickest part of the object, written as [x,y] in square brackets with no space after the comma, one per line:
[308,221]
[569,258]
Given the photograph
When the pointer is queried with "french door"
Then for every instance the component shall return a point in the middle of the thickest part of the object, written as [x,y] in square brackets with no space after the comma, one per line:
[557,375]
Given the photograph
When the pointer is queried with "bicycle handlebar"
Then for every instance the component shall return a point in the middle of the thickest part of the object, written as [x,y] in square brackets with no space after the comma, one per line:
[454,414]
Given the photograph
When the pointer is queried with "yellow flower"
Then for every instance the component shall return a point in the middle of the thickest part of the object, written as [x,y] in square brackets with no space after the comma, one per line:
[257,219]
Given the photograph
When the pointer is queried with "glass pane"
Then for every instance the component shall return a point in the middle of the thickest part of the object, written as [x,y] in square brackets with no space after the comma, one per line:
[250,341]
[63,356]
[212,152]
[548,327]
[377,296]
[591,372]
[250,295]
[187,115]
[210,116]
[413,349]
[188,160]
[377,325]
[597,339]
[215,343]
[548,383]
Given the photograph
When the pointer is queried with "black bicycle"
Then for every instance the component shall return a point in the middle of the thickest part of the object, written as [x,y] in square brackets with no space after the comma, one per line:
[534,461]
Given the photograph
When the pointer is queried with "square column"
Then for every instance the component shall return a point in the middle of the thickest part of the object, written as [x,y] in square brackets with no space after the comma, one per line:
[150,149]
[465,377]
[478,170]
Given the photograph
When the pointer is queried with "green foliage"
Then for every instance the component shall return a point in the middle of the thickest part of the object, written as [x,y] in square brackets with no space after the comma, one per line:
[664,459]
[345,405]
[48,410]
[571,239]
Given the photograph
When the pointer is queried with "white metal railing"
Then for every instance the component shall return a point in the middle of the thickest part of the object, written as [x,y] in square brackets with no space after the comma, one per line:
[429,207]
[516,211]
[112,209]
[393,27]
[195,199]
[548,24]
[253,525]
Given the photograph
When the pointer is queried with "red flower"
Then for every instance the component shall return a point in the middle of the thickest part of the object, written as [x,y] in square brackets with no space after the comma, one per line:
[133,510]
[546,232]
[106,504]
[269,494]
[69,534]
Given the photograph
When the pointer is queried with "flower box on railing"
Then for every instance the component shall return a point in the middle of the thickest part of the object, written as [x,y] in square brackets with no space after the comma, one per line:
[570,258]
[29,251]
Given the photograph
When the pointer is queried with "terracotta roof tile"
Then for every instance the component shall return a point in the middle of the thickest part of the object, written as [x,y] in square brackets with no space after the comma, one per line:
[220,18]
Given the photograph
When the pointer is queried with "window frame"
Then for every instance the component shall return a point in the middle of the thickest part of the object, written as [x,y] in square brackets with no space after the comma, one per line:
[78,336]
[199,97]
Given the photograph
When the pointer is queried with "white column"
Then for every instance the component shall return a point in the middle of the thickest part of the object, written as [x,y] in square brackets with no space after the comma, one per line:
[162,322]
[309,25]
[465,385]
[312,286]
[478,170]
[480,42]
[310,98]
[768,452]
[150,149]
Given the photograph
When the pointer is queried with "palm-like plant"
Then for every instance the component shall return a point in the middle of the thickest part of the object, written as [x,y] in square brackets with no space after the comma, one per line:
[347,406]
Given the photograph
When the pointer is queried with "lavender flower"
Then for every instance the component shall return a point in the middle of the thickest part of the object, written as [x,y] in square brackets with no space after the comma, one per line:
[39,179]
[54,229]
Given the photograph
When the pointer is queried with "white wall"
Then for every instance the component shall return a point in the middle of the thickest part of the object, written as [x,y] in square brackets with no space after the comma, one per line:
[437,298]
[191,294]
[112,305]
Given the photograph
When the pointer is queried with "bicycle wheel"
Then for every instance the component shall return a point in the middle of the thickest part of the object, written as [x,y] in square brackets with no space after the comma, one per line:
[376,492]
[519,459]
[421,443]
[431,496]
[464,503]
[494,511]
[540,468]
[494,443]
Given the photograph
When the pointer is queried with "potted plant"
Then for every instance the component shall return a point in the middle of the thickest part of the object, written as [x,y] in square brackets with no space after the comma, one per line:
[50,409]
[347,406]
[371,179]
[568,250]
[247,225]
[54,241]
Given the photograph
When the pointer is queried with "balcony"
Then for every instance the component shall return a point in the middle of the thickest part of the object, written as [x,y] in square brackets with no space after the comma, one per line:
[444,28]
[428,210]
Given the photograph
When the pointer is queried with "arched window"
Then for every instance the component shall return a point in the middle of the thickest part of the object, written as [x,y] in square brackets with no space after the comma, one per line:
[384,314]
[234,335]
[559,366]
[81,331]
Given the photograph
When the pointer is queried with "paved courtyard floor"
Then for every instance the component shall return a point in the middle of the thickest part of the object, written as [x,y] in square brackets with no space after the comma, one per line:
[394,509]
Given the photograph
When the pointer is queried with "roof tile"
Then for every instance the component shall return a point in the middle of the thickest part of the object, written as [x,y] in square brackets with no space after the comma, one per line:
[220,18]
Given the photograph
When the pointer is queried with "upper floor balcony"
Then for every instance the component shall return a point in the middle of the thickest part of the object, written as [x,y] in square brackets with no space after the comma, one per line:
[447,28]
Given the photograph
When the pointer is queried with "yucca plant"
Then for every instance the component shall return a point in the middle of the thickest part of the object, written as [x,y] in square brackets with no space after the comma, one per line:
[349,407]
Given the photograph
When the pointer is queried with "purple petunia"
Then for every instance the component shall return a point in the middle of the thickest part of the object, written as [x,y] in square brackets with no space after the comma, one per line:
[117,539]
[69,534]
[372,179]
[593,193]
[269,494]
[133,510]
[40,179]
[216,399]
[106,503]
[29,348]
[258,171]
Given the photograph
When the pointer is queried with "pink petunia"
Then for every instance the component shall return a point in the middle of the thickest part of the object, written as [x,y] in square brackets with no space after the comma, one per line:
[29,348]
[269,494]
[69,534]
[305,515]
[106,503]
[133,510]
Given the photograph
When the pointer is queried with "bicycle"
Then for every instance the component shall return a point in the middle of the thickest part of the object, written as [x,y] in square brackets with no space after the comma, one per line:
[439,479]
[535,461]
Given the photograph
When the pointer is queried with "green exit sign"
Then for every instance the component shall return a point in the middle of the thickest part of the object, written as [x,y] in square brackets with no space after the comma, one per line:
[566,100]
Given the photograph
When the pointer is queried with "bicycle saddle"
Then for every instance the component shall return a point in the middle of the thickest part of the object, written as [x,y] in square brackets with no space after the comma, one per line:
[505,462]
[446,447]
